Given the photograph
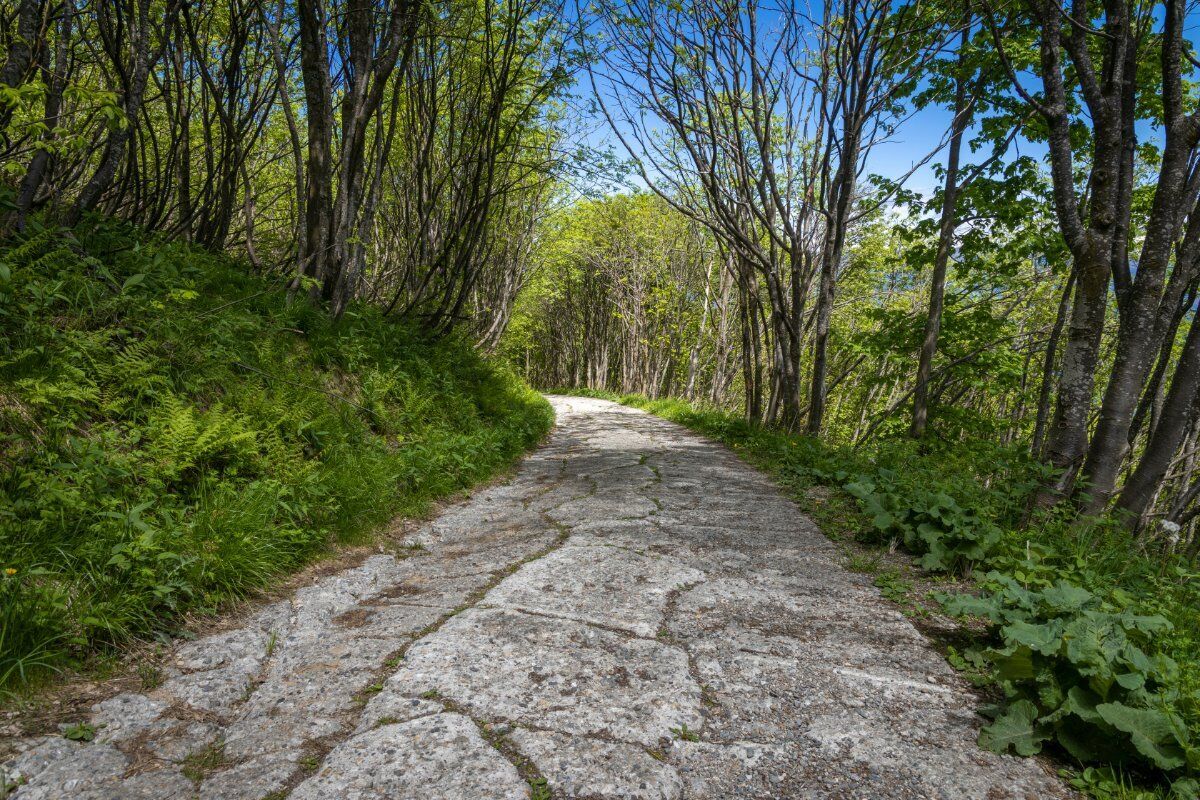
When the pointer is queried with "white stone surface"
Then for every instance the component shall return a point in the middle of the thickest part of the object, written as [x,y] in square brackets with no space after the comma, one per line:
[635,615]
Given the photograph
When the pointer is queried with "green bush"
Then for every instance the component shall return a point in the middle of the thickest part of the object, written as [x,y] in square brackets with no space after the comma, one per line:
[930,524]
[174,434]
[1081,671]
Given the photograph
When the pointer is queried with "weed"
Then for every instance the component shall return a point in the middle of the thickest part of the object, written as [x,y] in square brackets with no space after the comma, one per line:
[202,763]
[8,784]
[539,789]
[683,733]
[150,675]
[866,563]
[80,732]
[892,586]
[364,696]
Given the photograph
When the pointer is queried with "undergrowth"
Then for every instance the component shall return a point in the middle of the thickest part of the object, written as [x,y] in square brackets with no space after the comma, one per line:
[174,434]
[1092,638]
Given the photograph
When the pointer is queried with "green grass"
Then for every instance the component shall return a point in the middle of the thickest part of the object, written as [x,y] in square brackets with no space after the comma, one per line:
[175,435]
[1067,606]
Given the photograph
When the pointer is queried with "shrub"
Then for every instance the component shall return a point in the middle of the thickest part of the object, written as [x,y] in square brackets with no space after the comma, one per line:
[1081,671]
[930,524]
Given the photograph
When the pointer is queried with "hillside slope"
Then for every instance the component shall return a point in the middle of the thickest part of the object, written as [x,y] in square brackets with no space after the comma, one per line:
[174,434]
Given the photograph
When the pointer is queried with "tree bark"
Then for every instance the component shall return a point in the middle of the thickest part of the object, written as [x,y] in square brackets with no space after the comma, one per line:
[55,77]
[1168,434]
[1143,319]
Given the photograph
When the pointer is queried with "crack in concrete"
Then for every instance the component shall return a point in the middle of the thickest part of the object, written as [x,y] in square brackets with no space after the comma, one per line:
[639,663]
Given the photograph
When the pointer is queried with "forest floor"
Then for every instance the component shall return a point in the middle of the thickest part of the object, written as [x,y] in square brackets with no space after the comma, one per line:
[635,613]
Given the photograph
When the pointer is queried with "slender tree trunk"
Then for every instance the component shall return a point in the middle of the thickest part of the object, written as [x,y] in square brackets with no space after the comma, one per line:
[131,105]
[1068,432]
[937,283]
[1047,386]
[20,52]
[55,78]
[318,93]
[831,256]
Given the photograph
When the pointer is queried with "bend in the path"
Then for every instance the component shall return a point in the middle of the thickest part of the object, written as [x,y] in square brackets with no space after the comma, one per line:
[636,614]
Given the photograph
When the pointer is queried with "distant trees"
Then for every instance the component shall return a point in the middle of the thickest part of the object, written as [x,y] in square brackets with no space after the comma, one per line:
[770,117]
[630,295]
[759,123]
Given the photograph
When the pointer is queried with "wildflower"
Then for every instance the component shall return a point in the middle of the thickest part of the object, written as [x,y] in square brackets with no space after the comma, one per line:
[10,571]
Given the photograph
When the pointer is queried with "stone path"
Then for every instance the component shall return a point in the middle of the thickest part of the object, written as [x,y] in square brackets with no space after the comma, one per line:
[636,614]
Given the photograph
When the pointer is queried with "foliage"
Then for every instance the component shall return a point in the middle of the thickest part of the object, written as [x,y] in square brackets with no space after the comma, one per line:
[930,523]
[1081,670]
[175,434]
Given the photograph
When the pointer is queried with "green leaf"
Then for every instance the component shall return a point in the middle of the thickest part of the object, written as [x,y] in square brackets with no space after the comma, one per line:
[1131,681]
[1016,729]
[1045,638]
[966,605]
[1185,789]
[1092,642]
[1148,624]
[1065,596]
[1013,663]
[80,732]
[1082,704]
[1150,730]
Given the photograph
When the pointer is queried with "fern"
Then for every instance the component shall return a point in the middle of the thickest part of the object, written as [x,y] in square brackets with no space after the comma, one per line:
[182,439]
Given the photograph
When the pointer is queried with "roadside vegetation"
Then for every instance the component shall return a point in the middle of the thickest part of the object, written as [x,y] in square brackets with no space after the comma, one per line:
[174,434]
[1090,647]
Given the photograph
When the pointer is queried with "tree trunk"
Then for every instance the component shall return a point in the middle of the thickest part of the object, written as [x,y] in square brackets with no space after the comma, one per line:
[20,52]
[55,78]
[1164,442]
[948,224]
[131,105]
[318,95]
[1044,392]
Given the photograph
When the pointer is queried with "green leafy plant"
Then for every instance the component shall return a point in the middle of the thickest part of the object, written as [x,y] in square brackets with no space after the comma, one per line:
[1080,671]
[685,734]
[931,524]
[80,732]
